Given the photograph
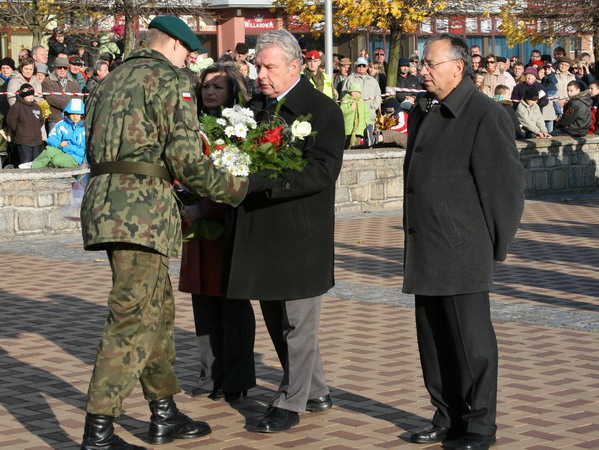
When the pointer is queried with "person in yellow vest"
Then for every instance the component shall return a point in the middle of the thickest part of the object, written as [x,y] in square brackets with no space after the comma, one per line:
[317,77]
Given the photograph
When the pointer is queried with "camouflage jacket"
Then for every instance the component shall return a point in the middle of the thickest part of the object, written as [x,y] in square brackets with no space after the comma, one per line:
[143,112]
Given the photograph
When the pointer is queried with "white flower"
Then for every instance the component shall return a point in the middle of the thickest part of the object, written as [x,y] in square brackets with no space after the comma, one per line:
[230,131]
[222,122]
[301,129]
[220,142]
[241,130]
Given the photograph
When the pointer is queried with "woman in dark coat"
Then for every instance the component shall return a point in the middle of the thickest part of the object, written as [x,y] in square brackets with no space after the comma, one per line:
[225,327]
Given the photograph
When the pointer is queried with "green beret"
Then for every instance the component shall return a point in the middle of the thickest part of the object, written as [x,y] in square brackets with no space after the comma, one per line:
[176,28]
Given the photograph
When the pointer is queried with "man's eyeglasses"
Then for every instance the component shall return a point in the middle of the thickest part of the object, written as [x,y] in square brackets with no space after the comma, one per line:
[432,65]
[361,65]
[63,68]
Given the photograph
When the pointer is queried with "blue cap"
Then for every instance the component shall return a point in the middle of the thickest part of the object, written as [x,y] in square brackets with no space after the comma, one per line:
[176,28]
[404,62]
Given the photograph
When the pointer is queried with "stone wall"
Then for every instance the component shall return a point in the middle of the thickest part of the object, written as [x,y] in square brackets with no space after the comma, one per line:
[370,180]
[560,165]
[36,201]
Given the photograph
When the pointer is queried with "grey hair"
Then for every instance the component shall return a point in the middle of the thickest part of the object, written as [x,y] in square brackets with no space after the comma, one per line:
[458,49]
[99,63]
[35,49]
[282,39]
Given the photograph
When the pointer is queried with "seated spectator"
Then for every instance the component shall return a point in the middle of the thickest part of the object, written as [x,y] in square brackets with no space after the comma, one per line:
[594,92]
[392,125]
[530,80]
[25,120]
[66,142]
[529,115]
[356,116]
[502,95]
[576,119]
[582,73]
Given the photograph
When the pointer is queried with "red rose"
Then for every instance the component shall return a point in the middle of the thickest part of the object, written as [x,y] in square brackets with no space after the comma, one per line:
[273,136]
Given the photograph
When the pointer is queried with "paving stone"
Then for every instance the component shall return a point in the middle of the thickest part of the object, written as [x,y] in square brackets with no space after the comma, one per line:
[545,306]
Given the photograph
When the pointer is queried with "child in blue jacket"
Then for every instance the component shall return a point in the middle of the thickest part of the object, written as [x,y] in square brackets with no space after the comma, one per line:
[66,142]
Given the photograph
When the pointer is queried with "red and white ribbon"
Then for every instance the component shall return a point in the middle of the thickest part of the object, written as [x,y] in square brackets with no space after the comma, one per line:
[80,94]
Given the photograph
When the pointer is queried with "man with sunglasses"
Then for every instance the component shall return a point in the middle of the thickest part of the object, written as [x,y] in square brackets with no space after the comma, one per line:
[59,81]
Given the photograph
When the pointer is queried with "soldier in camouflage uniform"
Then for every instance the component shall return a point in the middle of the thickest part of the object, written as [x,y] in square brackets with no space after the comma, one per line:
[142,132]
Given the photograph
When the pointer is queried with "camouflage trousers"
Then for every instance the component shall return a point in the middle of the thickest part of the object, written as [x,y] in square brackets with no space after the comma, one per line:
[138,342]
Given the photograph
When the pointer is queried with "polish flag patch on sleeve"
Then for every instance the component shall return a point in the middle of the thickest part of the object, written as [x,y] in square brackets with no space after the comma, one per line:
[186,96]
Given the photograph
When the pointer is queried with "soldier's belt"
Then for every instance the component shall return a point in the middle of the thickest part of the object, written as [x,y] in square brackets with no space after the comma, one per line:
[135,168]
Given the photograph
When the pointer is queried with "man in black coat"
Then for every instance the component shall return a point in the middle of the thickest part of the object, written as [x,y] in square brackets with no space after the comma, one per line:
[282,238]
[463,199]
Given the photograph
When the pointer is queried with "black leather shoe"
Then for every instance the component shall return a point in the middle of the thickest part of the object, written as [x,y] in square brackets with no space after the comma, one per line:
[318,404]
[277,420]
[216,394]
[475,441]
[99,434]
[168,423]
[430,435]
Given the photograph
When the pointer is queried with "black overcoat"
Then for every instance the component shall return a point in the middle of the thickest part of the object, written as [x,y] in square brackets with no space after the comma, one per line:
[281,241]
[463,193]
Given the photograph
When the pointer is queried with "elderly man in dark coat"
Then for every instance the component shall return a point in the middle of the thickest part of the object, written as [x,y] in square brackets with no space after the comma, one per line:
[463,200]
[282,243]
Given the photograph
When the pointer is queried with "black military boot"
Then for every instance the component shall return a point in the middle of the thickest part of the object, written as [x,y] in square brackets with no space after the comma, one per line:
[99,434]
[168,423]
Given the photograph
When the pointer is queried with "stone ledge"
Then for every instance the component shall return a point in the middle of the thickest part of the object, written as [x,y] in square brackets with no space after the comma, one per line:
[32,201]
[40,174]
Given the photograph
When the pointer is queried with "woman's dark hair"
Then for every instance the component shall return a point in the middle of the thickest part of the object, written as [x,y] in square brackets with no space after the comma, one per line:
[237,86]
[27,62]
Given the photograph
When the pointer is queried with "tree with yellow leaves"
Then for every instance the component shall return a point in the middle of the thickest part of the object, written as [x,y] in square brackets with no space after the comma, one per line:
[542,20]
[400,17]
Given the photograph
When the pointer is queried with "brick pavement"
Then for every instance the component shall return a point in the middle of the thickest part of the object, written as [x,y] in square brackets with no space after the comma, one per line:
[545,305]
